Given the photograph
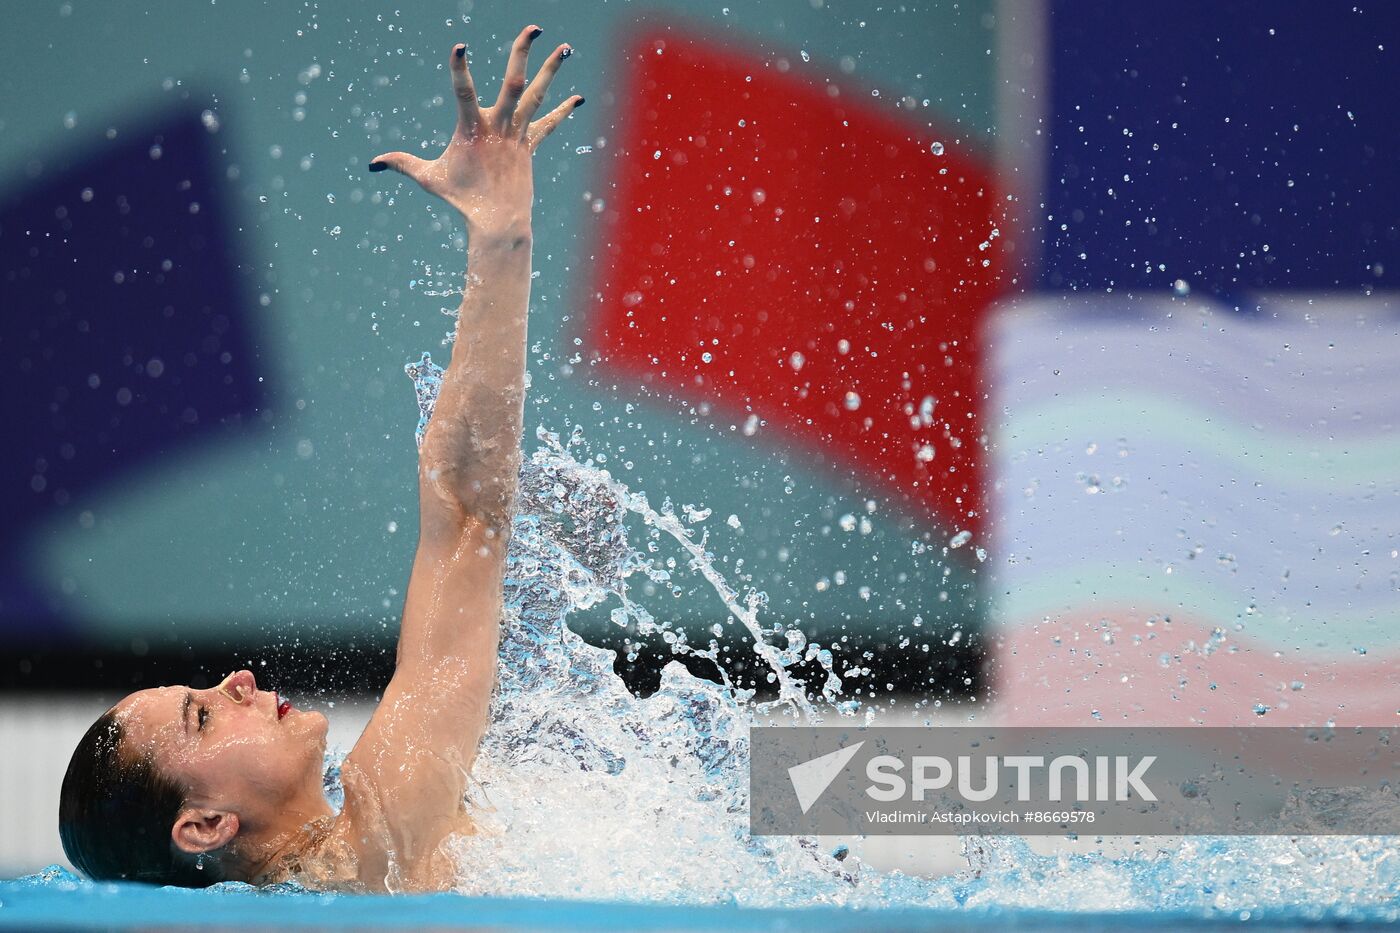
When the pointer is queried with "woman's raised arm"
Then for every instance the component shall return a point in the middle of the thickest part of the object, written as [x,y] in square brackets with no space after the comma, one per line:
[406,776]
[470,458]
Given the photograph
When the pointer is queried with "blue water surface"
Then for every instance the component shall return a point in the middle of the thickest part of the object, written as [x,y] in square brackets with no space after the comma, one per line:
[57,900]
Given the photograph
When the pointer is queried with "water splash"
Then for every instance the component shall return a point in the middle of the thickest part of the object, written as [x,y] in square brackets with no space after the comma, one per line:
[579,782]
[584,790]
[427,382]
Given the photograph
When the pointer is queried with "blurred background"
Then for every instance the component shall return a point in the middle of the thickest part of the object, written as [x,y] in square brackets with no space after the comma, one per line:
[1040,358]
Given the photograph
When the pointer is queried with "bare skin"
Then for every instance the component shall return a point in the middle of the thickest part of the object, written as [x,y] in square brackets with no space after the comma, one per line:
[252,771]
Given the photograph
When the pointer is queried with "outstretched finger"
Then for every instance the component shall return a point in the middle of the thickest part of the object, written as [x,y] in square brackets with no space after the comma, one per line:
[514,84]
[546,124]
[468,113]
[401,162]
[534,94]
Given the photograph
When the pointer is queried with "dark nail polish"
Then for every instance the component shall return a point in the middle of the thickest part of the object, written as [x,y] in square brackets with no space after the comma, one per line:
[461,51]
[377,166]
[535,33]
[579,103]
[565,53]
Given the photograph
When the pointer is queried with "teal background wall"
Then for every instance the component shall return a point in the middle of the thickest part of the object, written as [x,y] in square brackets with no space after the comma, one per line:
[304,528]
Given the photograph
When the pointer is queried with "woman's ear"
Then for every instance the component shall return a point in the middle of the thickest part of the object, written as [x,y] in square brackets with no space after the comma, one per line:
[199,830]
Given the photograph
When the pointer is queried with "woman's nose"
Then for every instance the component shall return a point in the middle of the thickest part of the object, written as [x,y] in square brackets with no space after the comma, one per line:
[240,686]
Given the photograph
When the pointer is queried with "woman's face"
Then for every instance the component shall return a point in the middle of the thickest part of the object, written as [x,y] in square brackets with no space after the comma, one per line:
[231,746]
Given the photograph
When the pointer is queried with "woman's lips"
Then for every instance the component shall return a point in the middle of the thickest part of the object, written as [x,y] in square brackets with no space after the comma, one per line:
[284,706]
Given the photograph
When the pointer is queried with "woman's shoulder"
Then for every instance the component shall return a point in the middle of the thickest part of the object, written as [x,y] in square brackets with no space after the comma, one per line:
[365,849]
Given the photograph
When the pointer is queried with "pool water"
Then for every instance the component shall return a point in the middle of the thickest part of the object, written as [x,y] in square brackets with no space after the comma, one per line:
[55,900]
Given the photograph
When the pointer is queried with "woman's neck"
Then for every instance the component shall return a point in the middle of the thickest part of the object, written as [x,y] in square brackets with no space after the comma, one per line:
[275,855]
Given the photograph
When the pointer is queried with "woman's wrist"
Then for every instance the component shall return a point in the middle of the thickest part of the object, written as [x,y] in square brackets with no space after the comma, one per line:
[499,229]
[499,239]
[496,224]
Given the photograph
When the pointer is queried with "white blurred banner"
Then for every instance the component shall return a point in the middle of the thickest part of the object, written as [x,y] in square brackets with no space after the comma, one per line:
[1197,510]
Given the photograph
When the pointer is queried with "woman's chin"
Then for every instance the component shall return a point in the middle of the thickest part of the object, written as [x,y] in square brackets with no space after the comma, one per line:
[307,720]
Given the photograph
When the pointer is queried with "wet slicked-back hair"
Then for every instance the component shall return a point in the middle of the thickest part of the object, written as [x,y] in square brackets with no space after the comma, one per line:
[115,813]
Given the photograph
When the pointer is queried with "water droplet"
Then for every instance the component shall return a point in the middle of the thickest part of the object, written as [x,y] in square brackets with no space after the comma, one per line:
[959,539]
[936,149]
[926,407]
[852,401]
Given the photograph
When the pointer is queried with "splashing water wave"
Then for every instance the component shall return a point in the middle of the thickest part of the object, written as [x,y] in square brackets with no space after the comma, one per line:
[587,791]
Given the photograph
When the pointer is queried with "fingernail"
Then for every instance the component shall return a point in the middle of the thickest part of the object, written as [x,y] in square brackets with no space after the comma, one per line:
[579,103]
[565,52]
[460,51]
[377,166]
[535,33]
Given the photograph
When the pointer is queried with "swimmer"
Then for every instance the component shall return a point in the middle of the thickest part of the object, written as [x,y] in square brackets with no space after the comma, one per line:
[180,786]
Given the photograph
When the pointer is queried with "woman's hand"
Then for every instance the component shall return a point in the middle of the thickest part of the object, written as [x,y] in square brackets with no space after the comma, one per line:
[485,171]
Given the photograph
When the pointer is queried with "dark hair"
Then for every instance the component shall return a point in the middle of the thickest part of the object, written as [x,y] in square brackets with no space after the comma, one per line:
[115,813]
